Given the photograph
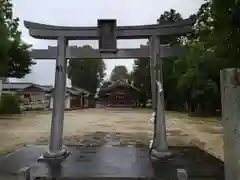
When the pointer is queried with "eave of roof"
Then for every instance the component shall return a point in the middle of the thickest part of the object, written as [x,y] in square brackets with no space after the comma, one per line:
[23,86]
[119,83]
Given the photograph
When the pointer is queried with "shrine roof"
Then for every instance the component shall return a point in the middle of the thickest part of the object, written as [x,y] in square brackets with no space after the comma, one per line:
[120,83]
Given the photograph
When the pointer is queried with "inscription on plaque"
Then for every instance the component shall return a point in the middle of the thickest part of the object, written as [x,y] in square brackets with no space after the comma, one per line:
[59,68]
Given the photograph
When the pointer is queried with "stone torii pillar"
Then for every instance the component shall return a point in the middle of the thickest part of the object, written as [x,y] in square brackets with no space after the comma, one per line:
[161,147]
[56,138]
[153,61]
[230,93]
[59,100]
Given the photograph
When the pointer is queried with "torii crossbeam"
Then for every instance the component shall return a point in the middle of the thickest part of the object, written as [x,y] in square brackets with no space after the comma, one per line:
[43,31]
[74,52]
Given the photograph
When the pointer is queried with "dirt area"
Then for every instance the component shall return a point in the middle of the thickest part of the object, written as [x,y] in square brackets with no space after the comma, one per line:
[34,127]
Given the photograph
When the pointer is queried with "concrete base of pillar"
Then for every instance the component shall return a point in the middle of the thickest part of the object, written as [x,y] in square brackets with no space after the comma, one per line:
[160,155]
[54,158]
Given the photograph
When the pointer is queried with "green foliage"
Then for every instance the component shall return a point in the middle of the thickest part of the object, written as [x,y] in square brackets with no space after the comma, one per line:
[141,78]
[192,83]
[10,104]
[167,17]
[118,73]
[15,60]
[226,30]
[141,67]
[86,74]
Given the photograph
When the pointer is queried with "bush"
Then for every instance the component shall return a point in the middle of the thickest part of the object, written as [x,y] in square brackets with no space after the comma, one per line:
[10,104]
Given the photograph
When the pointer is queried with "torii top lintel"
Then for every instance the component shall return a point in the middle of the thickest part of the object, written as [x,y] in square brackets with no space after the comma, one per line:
[43,31]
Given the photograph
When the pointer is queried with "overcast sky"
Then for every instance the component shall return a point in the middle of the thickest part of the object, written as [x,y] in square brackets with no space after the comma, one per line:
[86,13]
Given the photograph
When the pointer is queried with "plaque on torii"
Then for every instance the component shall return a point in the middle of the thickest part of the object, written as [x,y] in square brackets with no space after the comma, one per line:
[107,35]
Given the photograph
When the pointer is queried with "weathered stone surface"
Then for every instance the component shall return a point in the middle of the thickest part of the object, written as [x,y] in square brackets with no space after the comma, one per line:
[230,91]
[114,162]
[44,31]
[89,53]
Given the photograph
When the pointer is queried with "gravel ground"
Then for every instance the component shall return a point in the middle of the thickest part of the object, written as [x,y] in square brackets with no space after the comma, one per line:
[130,126]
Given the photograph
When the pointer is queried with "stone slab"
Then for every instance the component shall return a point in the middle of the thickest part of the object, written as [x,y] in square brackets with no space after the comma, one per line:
[114,162]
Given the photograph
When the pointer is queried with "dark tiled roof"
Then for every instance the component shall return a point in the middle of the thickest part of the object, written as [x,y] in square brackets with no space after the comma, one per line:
[72,91]
[18,86]
[75,91]
[123,82]
[80,90]
[47,88]
[21,86]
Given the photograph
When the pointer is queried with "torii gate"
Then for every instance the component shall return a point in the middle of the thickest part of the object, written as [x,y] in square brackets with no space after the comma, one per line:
[107,33]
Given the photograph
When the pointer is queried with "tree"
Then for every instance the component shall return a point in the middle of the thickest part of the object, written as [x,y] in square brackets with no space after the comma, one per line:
[196,82]
[141,67]
[192,82]
[226,24]
[172,97]
[194,73]
[15,60]
[198,72]
[86,74]
[167,17]
[141,78]
[118,73]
